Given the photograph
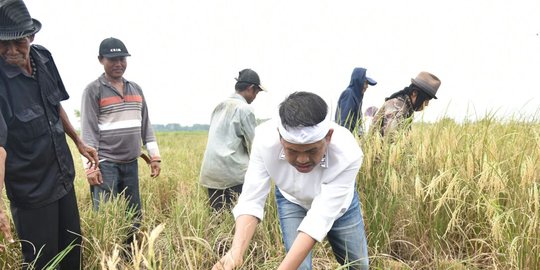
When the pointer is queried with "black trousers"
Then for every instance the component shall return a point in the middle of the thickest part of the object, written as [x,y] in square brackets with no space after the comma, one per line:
[220,198]
[51,229]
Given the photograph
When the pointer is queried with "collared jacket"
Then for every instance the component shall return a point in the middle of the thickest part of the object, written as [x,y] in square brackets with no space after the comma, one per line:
[326,192]
[117,125]
[232,129]
[39,166]
[349,109]
[394,114]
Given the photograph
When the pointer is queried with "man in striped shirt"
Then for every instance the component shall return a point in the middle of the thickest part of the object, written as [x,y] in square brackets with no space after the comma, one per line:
[114,120]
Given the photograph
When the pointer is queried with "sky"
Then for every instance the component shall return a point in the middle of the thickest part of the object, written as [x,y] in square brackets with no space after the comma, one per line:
[186,54]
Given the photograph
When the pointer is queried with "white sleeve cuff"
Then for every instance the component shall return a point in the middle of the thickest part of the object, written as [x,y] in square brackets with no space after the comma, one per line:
[153,150]
[247,209]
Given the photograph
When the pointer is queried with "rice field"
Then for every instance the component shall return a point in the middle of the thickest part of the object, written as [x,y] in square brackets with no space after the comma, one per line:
[443,196]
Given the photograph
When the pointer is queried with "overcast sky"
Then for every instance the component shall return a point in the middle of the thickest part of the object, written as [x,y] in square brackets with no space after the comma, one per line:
[185,54]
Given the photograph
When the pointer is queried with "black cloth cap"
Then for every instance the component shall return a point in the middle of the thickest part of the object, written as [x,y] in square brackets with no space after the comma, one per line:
[15,20]
[248,76]
[112,47]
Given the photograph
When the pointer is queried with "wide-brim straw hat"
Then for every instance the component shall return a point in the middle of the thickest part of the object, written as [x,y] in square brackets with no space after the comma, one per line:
[15,20]
[428,82]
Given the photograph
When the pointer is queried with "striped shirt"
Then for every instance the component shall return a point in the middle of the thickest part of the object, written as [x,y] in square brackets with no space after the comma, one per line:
[116,125]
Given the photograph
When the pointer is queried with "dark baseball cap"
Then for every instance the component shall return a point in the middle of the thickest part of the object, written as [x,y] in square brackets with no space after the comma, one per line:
[112,47]
[249,76]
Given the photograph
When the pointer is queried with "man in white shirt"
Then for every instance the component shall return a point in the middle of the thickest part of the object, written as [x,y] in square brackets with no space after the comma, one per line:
[313,163]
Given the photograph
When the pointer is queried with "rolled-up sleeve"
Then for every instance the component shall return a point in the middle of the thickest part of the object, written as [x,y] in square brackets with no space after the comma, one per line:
[256,187]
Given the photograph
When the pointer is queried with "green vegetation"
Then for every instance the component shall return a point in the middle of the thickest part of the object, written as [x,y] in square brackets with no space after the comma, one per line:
[444,196]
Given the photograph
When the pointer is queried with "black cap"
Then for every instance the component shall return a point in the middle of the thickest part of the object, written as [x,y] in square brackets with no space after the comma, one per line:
[15,21]
[249,76]
[112,47]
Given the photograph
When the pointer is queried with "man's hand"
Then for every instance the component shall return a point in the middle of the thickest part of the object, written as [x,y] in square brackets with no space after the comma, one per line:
[228,262]
[89,153]
[94,178]
[155,167]
[5,226]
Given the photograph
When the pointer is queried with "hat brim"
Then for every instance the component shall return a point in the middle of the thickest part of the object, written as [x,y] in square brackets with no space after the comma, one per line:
[371,81]
[422,88]
[16,34]
[263,88]
[113,55]
[258,85]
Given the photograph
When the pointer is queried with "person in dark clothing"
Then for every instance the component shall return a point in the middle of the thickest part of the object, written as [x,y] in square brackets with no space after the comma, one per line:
[349,109]
[35,161]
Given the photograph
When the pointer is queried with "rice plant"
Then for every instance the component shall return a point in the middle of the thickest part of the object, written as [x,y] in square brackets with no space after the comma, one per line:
[443,195]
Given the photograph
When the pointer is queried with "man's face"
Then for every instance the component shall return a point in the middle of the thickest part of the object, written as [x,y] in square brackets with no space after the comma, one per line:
[252,92]
[365,87]
[305,157]
[115,66]
[16,52]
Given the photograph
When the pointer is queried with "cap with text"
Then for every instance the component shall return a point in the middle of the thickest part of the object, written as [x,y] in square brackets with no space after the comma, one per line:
[113,47]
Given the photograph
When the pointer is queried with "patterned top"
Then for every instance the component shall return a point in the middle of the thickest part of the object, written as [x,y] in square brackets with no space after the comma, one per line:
[116,124]
[394,114]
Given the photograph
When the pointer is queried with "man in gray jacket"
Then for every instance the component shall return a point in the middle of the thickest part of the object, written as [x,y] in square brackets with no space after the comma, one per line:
[232,129]
[114,120]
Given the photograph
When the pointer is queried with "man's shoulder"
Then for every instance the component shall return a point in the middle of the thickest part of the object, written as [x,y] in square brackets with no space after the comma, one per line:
[41,48]
[347,96]
[134,84]
[93,86]
[342,135]
[234,104]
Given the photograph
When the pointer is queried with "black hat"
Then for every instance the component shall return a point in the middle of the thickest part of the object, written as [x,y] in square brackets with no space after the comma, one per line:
[249,76]
[15,21]
[112,47]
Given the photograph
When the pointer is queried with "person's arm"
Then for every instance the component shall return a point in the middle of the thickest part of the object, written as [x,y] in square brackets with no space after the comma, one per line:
[248,124]
[244,230]
[345,115]
[5,226]
[298,252]
[87,151]
[149,139]
[90,131]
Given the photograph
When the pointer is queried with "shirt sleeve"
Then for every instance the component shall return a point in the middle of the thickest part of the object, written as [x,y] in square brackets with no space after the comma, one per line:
[53,69]
[3,129]
[256,187]
[332,202]
[5,113]
[147,132]
[346,111]
[89,119]
[248,128]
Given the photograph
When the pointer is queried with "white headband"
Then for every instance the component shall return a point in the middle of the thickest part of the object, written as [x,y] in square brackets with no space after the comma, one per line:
[305,135]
